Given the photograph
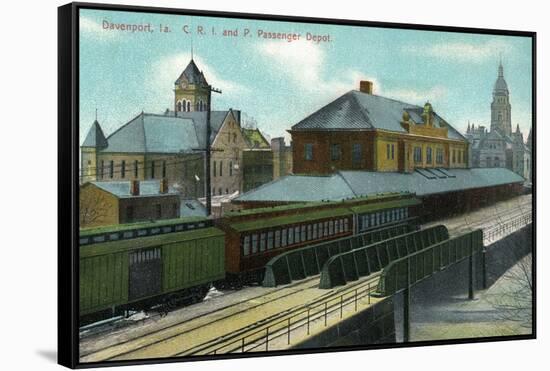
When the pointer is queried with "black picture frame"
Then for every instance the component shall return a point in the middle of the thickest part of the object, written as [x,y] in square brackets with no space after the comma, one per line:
[68,169]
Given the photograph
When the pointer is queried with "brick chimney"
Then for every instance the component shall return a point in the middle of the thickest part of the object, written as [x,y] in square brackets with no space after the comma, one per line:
[365,86]
[134,187]
[164,185]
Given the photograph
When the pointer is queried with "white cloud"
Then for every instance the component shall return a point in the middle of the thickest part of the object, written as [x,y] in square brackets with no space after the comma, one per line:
[462,51]
[417,96]
[94,29]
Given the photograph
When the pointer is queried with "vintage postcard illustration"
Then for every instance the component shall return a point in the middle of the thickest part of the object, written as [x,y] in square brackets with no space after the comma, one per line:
[256,186]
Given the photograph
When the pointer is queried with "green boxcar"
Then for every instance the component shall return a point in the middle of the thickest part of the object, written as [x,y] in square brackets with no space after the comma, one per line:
[188,259]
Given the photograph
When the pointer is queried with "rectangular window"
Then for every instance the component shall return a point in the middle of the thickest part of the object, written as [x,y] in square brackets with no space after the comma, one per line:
[378,219]
[315,231]
[153,169]
[331,228]
[335,152]
[325,229]
[296,234]
[356,154]
[111,168]
[164,169]
[393,151]
[123,169]
[135,169]
[214,171]
[308,151]
[383,216]
[230,168]
[221,168]
[262,241]
[346,225]
[246,245]
[269,240]
[372,220]
[439,156]
[277,238]
[290,236]
[101,170]
[284,235]
[158,211]
[418,154]
[254,243]
[303,235]
[429,155]
[309,232]
[388,156]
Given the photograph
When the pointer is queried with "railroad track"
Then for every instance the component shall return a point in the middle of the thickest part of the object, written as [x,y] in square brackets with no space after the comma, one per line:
[167,332]
[257,336]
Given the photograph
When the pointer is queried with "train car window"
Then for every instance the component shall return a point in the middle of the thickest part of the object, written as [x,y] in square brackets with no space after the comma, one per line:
[290,236]
[331,228]
[262,241]
[310,232]
[377,218]
[314,233]
[277,238]
[284,235]
[325,229]
[269,240]
[296,234]
[383,216]
[346,224]
[406,213]
[254,243]
[303,233]
[246,245]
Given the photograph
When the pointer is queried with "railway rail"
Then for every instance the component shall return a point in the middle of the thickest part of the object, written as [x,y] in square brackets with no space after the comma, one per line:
[277,330]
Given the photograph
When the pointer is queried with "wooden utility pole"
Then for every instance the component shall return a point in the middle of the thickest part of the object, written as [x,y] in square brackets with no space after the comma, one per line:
[208,151]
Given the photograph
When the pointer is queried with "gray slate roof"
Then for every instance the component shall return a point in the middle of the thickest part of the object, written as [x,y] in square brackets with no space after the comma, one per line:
[150,133]
[192,74]
[199,121]
[361,111]
[121,189]
[95,137]
[351,184]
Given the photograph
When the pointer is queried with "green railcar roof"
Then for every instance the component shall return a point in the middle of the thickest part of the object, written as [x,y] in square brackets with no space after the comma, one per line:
[124,227]
[386,205]
[289,219]
[113,247]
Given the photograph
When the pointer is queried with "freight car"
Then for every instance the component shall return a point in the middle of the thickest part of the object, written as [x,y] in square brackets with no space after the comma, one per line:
[137,266]
[136,273]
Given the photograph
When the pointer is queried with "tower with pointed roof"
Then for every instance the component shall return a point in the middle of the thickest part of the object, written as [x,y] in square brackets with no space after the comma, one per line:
[191,90]
[500,107]
[94,142]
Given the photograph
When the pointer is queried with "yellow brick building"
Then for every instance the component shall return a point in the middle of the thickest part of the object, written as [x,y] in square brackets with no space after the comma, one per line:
[363,131]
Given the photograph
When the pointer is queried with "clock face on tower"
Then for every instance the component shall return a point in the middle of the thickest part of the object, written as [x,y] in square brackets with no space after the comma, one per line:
[183,84]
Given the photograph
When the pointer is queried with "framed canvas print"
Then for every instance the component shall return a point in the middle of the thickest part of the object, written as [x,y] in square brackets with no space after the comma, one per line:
[240,185]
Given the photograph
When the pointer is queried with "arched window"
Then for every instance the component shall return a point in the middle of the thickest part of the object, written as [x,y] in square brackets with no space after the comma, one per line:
[201,105]
[188,106]
[179,107]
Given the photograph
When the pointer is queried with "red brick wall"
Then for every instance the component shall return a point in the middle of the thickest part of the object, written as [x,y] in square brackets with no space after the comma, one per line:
[321,163]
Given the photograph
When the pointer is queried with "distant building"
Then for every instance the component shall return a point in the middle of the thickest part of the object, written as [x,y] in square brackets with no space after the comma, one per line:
[120,202]
[282,157]
[363,131]
[257,160]
[500,147]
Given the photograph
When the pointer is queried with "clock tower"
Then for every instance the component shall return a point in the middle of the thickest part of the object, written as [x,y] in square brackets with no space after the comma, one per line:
[191,90]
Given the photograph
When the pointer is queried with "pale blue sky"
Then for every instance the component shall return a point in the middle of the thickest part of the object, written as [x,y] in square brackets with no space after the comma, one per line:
[279,82]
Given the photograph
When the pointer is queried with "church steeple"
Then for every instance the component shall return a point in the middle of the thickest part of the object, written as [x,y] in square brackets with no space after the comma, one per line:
[191,90]
[500,107]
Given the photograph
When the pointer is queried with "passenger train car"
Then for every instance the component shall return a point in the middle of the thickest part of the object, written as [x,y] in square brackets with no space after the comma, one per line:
[176,261]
